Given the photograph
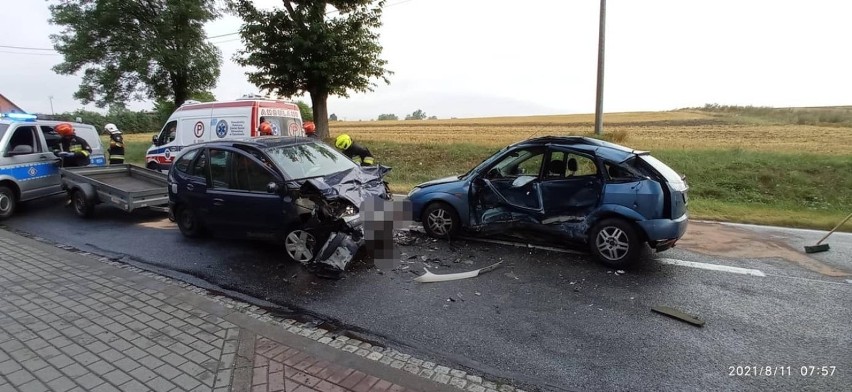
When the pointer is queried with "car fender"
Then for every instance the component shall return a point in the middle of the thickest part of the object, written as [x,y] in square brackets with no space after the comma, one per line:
[87,189]
[457,201]
[610,210]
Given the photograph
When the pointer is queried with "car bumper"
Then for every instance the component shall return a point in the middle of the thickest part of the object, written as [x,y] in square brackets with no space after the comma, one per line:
[665,230]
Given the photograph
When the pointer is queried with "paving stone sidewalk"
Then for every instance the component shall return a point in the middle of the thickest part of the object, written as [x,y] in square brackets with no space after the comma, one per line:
[69,322]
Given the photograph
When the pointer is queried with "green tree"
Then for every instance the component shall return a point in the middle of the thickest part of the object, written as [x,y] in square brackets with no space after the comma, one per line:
[417,115]
[304,48]
[305,110]
[136,49]
[384,117]
[332,117]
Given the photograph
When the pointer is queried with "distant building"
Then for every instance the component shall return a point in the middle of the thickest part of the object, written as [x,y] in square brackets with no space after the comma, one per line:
[7,106]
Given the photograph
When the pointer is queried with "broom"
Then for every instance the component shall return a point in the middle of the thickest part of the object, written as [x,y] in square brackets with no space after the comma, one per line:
[824,247]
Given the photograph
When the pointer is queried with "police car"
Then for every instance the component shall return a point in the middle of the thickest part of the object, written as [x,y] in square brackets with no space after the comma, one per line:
[29,168]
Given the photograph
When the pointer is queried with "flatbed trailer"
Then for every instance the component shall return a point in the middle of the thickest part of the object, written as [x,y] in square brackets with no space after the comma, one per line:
[127,187]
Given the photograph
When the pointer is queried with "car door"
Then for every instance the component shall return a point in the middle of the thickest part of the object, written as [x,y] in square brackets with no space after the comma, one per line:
[571,188]
[241,206]
[192,189]
[506,196]
[34,168]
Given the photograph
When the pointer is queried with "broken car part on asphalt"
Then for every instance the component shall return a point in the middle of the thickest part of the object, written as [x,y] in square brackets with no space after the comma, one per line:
[677,314]
[429,277]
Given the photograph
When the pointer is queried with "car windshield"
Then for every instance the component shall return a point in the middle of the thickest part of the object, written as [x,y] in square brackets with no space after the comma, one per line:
[309,160]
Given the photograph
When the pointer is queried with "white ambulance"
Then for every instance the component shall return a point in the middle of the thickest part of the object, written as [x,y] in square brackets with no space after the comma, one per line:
[197,122]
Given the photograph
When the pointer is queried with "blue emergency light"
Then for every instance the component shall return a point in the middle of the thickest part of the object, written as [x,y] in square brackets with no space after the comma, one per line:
[19,116]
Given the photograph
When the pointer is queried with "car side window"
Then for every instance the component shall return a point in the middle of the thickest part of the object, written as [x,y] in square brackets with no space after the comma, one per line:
[200,167]
[248,175]
[51,137]
[219,173]
[564,164]
[169,133]
[24,139]
[518,163]
[182,164]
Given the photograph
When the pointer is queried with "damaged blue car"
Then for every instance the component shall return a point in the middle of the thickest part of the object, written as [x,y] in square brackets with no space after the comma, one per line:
[293,190]
[573,192]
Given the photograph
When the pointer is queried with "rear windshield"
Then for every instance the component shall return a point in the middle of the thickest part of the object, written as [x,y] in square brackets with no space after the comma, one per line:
[670,175]
[309,160]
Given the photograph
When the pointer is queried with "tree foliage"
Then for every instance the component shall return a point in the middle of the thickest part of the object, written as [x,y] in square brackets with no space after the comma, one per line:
[417,115]
[126,120]
[305,47]
[388,116]
[136,49]
[306,111]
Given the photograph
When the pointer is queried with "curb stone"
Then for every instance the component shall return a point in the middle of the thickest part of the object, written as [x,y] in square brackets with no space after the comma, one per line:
[461,379]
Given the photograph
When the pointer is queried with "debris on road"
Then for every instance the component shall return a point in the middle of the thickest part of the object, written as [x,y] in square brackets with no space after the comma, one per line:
[619,272]
[512,275]
[429,277]
[674,313]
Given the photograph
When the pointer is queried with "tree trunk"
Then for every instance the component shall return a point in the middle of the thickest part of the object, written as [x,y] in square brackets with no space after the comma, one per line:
[179,85]
[319,104]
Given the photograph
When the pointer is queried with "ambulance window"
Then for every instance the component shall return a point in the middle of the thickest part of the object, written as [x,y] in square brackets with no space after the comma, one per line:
[169,133]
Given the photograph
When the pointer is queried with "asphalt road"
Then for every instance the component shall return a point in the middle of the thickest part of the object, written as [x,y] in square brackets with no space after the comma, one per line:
[543,320]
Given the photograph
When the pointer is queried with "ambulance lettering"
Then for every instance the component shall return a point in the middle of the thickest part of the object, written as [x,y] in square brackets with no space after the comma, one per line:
[279,112]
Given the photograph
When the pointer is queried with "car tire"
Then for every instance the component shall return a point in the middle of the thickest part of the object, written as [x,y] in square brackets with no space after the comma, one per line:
[300,246]
[187,221]
[153,166]
[82,207]
[440,220]
[8,202]
[615,242]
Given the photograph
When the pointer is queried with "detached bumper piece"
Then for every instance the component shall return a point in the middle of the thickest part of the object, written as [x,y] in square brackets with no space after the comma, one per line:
[336,254]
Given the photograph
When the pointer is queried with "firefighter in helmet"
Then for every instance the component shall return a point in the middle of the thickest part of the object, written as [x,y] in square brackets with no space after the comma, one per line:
[354,151]
[265,128]
[116,145]
[310,129]
[75,150]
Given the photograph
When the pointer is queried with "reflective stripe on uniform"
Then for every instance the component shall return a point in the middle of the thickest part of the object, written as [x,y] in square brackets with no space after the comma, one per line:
[369,160]
[116,157]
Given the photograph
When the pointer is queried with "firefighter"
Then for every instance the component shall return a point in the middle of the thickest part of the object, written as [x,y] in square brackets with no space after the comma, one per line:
[344,143]
[75,150]
[310,129]
[116,145]
[265,128]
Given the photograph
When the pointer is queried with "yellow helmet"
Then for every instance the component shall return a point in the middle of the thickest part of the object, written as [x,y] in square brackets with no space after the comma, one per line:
[343,142]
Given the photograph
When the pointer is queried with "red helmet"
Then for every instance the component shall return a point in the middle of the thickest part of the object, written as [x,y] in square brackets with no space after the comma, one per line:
[64,129]
[309,127]
[265,128]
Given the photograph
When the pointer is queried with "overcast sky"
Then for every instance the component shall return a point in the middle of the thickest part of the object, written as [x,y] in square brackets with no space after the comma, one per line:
[474,58]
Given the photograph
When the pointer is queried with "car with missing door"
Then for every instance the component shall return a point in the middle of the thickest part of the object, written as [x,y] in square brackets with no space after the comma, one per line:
[294,190]
[576,192]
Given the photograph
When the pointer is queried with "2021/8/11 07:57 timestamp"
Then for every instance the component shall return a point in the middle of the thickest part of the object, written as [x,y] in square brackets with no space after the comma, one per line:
[771,371]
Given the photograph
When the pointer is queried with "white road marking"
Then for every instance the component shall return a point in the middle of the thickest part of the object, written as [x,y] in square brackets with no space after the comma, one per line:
[713,267]
[849,281]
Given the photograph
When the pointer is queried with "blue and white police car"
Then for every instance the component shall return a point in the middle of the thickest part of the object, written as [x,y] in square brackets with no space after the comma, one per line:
[29,168]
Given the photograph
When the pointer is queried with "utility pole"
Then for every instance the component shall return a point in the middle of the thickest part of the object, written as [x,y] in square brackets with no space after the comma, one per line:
[51,105]
[599,100]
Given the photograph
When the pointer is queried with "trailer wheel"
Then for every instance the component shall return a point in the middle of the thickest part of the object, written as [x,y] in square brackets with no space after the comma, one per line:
[82,207]
[7,202]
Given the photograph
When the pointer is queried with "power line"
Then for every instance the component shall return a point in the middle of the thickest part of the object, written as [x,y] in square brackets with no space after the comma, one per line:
[26,48]
[30,54]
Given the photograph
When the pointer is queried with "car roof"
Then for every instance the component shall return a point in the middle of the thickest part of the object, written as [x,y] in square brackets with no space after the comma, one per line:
[602,148]
[262,142]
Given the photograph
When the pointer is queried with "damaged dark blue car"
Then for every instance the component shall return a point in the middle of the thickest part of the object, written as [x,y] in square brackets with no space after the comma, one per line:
[293,190]
[573,192]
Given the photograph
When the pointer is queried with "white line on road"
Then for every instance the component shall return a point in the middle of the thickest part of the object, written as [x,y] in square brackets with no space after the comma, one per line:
[849,281]
[713,267]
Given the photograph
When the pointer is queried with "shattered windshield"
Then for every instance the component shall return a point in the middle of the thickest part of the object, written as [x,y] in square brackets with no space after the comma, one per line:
[309,160]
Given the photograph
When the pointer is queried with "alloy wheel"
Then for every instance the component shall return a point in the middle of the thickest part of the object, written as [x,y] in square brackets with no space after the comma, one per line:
[612,243]
[440,222]
[299,245]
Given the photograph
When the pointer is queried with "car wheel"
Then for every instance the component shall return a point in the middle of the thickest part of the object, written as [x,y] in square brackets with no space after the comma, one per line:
[187,222]
[300,246]
[7,202]
[153,166]
[615,242]
[82,207]
[440,220]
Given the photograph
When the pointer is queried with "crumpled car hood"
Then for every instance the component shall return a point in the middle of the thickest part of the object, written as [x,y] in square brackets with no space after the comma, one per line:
[353,185]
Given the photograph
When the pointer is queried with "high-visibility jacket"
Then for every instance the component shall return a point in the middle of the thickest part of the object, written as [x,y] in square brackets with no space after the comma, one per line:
[81,149]
[359,153]
[116,148]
